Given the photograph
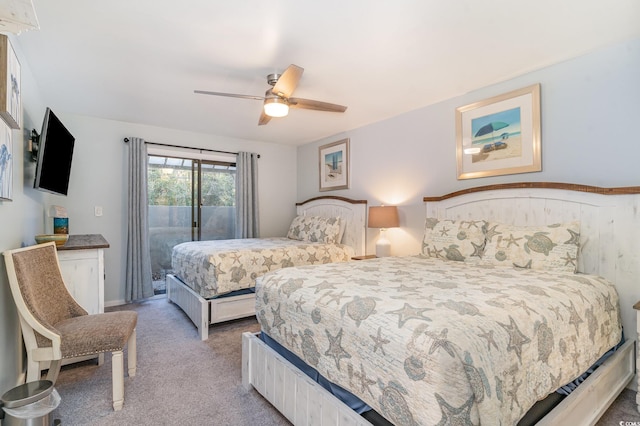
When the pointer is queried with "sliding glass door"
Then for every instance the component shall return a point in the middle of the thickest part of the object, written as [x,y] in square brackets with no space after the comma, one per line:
[189,200]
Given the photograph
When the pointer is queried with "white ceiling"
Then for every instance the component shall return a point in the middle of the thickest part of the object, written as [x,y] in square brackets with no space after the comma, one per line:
[139,61]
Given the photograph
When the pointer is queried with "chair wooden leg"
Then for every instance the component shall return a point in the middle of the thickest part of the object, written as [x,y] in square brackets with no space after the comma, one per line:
[54,369]
[132,355]
[117,375]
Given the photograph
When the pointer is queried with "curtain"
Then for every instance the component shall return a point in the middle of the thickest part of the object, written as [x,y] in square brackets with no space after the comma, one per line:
[247,221]
[138,270]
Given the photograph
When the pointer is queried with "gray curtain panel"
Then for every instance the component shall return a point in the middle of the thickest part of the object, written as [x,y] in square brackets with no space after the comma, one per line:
[138,270]
[247,221]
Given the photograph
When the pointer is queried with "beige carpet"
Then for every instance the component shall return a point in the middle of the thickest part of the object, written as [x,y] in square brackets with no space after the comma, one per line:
[184,381]
[180,379]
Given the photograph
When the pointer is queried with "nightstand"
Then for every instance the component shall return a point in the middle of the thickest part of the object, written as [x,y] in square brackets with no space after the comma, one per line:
[637,308]
[373,256]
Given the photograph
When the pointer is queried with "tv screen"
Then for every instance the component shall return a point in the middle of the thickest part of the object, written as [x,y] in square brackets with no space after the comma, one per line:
[55,151]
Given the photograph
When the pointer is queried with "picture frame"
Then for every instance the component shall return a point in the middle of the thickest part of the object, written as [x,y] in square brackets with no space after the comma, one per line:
[6,162]
[499,135]
[10,84]
[334,165]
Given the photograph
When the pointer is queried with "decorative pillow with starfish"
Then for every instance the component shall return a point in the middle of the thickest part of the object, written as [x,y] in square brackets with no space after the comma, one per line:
[457,240]
[315,229]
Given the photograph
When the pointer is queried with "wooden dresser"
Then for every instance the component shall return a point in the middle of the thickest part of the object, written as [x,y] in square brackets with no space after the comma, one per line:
[82,264]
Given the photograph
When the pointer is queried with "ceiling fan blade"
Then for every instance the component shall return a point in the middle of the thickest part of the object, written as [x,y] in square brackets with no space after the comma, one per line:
[288,81]
[316,105]
[264,119]
[230,95]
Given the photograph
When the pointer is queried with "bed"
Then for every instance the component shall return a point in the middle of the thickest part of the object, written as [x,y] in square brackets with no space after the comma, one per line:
[451,309]
[213,279]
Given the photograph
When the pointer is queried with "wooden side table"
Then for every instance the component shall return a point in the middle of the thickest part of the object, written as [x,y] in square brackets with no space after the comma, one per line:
[366,256]
[637,308]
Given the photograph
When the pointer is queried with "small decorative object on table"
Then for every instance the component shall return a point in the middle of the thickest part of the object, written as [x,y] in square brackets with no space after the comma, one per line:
[59,239]
[60,219]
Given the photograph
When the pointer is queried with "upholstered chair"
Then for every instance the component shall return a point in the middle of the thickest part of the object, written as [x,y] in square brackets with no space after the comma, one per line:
[55,327]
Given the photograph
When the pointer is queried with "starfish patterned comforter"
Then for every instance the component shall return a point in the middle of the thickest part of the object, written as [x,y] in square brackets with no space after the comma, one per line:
[214,268]
[425,341]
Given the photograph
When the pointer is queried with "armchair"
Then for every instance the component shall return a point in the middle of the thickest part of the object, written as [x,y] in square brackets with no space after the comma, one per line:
[55,327]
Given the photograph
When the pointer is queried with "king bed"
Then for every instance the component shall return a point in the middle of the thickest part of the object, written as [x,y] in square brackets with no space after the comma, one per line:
[487,321]
[213,280]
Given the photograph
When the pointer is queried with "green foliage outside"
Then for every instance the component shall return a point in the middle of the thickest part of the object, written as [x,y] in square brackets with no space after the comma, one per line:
[171,186]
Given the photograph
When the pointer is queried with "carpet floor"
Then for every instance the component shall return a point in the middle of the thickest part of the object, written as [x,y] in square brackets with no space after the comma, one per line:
[182,380]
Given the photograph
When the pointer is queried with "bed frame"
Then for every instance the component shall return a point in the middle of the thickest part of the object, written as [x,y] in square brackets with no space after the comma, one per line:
[205,312]
[610,247]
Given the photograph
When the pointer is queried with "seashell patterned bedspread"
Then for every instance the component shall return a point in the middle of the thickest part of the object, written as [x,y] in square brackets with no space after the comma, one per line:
[214,268]
[425,341]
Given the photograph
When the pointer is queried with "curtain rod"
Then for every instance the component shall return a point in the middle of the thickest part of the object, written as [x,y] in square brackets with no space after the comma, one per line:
[187,147]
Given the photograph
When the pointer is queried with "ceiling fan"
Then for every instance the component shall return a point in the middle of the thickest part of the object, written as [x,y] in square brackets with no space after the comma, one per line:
[278,100]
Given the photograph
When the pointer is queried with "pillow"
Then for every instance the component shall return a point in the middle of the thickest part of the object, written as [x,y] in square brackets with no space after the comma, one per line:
[457,240]
[552,247]
[315,229]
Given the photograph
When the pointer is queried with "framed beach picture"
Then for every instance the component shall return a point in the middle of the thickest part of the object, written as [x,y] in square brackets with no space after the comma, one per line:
[500,135]
[6,162]
[10,99]
[334,165]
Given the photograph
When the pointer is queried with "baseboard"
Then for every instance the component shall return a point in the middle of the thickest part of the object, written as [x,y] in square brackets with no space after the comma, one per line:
[112,303]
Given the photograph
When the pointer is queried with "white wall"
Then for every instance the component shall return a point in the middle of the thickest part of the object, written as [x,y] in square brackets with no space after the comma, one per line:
[99,178]
[590,107]
[19,222]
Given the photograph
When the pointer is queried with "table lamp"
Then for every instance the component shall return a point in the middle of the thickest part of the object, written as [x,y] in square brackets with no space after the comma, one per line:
[383,217]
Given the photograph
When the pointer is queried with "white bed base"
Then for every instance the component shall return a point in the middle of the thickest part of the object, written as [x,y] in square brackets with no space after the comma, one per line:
[205,312]
[301,400]
[304,402]
[610,247]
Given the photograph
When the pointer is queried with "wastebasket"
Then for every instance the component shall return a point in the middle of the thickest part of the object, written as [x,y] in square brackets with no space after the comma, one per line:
[30,404]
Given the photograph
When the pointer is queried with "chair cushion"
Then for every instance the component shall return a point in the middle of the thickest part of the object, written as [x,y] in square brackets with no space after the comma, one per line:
[92,334]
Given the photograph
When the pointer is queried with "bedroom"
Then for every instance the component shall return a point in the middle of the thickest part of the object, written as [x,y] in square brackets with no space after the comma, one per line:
[599,88]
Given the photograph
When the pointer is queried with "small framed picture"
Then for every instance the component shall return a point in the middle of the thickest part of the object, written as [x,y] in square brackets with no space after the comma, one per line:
[500,135]
[334,165]
[6,162]
[10,98]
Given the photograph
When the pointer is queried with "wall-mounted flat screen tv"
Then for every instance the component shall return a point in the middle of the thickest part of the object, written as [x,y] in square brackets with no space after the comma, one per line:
[55,151]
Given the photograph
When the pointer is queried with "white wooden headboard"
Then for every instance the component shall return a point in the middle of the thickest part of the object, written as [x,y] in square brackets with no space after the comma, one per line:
[354,212]
[609,225]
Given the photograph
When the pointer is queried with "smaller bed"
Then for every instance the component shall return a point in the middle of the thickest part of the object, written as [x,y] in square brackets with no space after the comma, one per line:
[213,280]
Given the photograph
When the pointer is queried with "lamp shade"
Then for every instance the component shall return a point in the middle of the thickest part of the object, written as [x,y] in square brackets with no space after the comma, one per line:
[383,217]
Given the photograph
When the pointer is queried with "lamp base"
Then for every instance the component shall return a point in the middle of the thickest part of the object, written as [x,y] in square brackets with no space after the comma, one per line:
[383,247]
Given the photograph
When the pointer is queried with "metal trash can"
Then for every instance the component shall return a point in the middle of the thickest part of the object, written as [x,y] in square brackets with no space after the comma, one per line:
[30,404]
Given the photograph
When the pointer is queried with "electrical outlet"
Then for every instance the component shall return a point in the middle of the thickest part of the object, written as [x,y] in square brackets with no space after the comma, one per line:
[97,210]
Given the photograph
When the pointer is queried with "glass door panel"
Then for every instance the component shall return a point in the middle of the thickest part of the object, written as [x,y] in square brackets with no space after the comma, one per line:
[217,200]
[172,183]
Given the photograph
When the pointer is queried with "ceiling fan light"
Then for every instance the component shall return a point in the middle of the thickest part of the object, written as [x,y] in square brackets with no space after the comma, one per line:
[276,107]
